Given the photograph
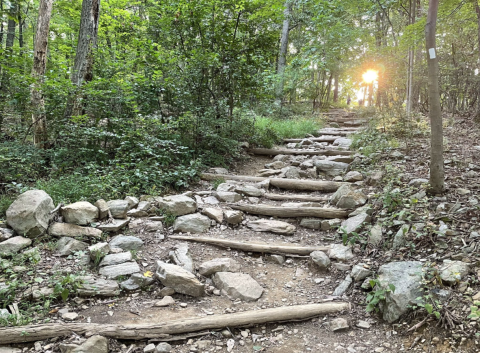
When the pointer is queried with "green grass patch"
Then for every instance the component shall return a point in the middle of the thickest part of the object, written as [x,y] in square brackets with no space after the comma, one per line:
[5,202]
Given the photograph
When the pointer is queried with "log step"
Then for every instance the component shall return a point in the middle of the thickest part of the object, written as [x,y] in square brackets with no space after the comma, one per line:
[290,212]
[275,152]
[290,197]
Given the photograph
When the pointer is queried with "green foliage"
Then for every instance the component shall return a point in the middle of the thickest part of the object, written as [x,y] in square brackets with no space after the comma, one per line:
[64,285]
[217,182]
[5,202]
[378,294]
[169,218]
[475,310]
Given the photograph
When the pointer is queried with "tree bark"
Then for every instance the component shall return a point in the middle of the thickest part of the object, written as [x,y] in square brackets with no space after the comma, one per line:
[437,174]
[254,246]
[411,57]
[282,55]
[22,334]
[39,118]
[290,197]
[273,152]
[477,9]
[292,212]
[11,25]
[87,42]
[335,89]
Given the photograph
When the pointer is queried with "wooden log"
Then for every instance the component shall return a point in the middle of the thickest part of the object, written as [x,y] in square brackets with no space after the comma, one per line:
[289,184]
[314,139]
[289,212]
[22,334]
[274,152]
[296,197]
[254,246]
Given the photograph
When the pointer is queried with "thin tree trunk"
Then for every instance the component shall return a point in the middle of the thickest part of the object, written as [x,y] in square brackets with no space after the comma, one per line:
[39,117]
[477,8]
[335,89]
[437,174]
[11,26]
[282,55]
[411,61]
[1,25]
[87,42]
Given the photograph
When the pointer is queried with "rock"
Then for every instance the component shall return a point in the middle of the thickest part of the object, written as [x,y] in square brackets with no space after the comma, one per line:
[418,182]
[114,226]
[115,259]
[218,170]
[113,271]
[141,210]
[95,344]
[67,246]
[452,272]
[278,259]
[281,157]
[13,245]
[223,264]
[311,223]
[132,202]
[211,200]
[343,286]
[363,324]
[353,176]
[29,214]
[179,279]
[6,233]
[166,301]
[399,239]
[177,205]
[153,227]
[126,242]
[81,213]
[268,172]
[98,287]
[331,168]
[267,225]
[69,316]
[102,208]
[354,224]
[321,259]
[163,347]
[406,276]
[73,231]
[462,191]
[359,272]
[376,235]
[340,252]
[250,190]
[192,223]
[181,257]
[227,196]
[233,216]
[118,208]
[338,324]
[375,178]
[238,285]
[136,281]
[7,349]
[166,291]
[342,142]
[99,250]
[341,267]
[346,197]
[397,155]
[291,172]
[149,348]
[328,224]
[214,213]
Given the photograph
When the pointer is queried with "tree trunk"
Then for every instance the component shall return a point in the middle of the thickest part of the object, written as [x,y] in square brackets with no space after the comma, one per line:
[282,55]
[87,42]
[477,9]
[410,62]
[39,118]
[437,174]
[12,24]
[335,89]
[1,25]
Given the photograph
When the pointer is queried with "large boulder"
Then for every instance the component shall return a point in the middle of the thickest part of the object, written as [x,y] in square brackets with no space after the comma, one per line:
[14,245]
[267,225]
[177,205]
[331,168]
[406,276]
[73,231]
[238,285]
[181,280]
[29,214]
[222,264]
[81,213]
[192,223]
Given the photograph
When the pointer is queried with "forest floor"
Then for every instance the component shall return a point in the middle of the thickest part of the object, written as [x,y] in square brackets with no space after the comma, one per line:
[299,281]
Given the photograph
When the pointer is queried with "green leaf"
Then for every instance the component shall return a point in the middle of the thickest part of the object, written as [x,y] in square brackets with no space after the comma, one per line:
[392,287]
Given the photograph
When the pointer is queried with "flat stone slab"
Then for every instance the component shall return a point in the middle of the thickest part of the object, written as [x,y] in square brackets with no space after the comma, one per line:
[238,285]
[181,280]
[126,242]
[266,225]
[113,226]
[191,223]
[113,271]
[115,259]
[67,246]
[13,245]
[181,257]
[73,231]
[214,213]
[223,264]
[98,287]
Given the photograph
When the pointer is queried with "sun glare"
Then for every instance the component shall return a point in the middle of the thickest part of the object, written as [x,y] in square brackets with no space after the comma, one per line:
[370,76]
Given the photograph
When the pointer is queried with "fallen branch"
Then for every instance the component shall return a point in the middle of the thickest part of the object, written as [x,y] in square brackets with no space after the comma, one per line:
[273,152]
[254,247]
[313,139]
[289,197]
[289,184]
[288,212]
[22,334]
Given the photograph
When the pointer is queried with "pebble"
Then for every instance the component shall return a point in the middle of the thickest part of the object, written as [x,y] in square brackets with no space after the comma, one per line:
[69,316]
[149,348]
[183,305]
[363,324]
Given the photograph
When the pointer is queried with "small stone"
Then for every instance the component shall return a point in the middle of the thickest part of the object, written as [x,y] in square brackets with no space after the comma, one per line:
[149,348]
[113,226]
[69,316]
[353,176]
[166,291]
[343,286]
[113,271]
[218,265]
[163,347]
[279,259]
[214,213]
[359,273]
[340,252]
[341,267]
[166,301]
[118,208]
[102,208]
[452,272]
[320,259]
[233,217]
[338,324]
[363,324]
[126,242]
